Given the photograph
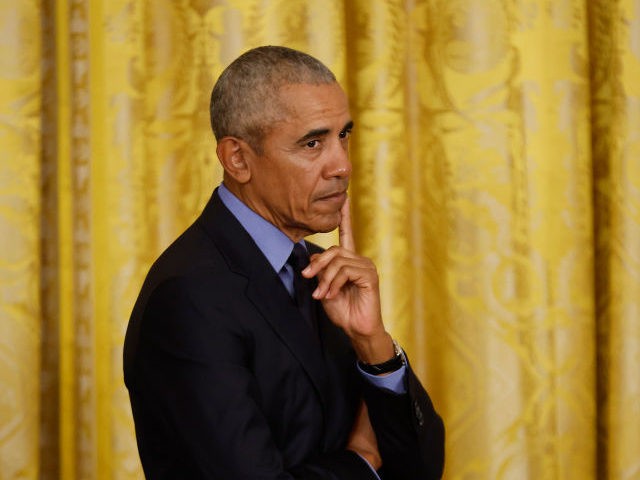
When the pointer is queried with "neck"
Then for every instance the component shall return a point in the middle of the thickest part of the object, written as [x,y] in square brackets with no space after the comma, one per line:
[294,234]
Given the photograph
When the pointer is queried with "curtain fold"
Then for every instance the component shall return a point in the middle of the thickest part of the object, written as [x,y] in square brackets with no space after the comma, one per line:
[615,100]
[496,185]
[21,102]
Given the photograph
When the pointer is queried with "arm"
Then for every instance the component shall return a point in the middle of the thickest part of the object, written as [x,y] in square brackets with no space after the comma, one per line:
[410,434]
[196,401]
[362,439]
[409,431]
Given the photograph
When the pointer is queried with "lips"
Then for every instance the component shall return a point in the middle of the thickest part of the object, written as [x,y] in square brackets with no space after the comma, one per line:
[333,197]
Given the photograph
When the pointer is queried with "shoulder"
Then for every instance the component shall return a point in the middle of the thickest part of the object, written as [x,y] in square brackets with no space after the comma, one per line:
[190,278]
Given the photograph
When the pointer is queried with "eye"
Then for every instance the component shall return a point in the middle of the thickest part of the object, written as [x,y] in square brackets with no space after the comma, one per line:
[312,143]
[345,133]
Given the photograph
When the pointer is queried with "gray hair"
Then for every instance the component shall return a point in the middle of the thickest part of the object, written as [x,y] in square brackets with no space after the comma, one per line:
[244,100]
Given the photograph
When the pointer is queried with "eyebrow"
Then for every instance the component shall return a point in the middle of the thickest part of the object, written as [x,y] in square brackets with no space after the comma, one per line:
[321,132]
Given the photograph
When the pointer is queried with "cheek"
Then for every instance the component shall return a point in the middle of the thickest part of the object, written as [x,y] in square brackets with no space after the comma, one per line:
[298,197]
[302,186]
[297,186]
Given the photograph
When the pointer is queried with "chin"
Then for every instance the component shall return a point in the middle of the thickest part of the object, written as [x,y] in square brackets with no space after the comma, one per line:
[327,225]
[326,230]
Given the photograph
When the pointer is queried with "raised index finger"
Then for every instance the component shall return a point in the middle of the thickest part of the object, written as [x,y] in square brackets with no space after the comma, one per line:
[344,230]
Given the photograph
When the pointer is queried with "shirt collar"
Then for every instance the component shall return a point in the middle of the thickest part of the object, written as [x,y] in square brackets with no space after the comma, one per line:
[274,244]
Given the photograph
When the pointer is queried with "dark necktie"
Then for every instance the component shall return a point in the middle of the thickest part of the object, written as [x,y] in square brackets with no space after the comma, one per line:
[302,287]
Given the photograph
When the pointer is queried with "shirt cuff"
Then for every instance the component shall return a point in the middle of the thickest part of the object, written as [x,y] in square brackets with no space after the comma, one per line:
[394,381]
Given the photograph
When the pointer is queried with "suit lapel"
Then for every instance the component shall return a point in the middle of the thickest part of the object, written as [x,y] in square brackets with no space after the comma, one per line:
[266,292]
[269,296]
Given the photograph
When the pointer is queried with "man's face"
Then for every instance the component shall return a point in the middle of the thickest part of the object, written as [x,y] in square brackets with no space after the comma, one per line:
[299,181]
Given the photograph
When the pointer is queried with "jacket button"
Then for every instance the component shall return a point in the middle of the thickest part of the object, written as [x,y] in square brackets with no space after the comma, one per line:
[418,412]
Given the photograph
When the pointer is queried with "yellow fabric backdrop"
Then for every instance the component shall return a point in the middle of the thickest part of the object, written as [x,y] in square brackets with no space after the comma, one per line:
[497,187]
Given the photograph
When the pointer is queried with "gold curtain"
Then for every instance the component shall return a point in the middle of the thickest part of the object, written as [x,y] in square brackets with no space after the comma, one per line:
[496,185]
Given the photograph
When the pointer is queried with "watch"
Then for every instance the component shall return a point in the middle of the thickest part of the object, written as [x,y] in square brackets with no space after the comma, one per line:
[395,363]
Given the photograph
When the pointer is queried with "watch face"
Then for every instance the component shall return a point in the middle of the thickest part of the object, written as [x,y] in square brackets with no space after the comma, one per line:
[399,352]
[397,348]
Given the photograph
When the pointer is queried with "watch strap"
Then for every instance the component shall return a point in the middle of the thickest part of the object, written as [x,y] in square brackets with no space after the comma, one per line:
[391,365]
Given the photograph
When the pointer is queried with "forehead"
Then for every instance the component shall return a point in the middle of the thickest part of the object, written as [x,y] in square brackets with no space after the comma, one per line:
[309,105]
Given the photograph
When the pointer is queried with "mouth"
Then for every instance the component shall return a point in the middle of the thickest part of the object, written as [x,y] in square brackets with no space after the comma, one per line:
[340,195]
[336,198]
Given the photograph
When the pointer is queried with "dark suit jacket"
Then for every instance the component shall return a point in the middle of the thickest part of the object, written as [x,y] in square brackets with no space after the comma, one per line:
[227,381]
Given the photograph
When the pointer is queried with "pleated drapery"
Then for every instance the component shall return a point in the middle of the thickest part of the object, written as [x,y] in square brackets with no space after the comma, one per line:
[496,185]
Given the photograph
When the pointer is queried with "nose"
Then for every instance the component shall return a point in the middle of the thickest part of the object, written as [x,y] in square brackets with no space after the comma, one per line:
[339,165]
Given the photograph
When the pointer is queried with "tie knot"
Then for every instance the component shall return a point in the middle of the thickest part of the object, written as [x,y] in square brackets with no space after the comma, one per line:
[299,258]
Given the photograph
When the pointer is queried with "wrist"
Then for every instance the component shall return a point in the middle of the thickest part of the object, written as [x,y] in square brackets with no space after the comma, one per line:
[391,365]
[374,349]
[372,458]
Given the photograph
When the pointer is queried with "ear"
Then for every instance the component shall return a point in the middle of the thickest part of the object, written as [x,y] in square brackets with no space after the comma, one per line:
[232,154]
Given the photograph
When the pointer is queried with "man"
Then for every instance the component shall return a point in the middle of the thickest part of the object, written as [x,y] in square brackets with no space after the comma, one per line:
[243,362]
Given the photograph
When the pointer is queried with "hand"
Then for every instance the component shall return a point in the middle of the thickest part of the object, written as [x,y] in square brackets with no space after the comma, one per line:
[362,438]
[349,290]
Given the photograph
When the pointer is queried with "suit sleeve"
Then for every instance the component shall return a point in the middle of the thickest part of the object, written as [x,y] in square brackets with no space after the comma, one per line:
[194,397]
[410,433]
